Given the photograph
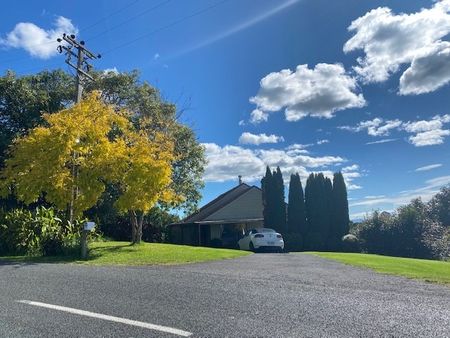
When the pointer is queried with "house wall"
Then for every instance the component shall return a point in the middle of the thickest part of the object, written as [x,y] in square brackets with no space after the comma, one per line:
[248,205]
[216,231]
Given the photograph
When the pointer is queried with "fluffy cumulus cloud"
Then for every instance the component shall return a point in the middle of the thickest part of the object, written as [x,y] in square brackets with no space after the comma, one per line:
[317,92]
[257,139]
[227,162]
[390,40]
[428,132]
[424,132]
[37,41]
[427,72]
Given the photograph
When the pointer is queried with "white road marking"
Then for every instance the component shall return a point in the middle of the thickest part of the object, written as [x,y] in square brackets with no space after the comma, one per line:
[144,325]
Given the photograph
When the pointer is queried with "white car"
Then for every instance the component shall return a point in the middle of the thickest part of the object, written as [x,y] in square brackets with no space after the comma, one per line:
[262,238]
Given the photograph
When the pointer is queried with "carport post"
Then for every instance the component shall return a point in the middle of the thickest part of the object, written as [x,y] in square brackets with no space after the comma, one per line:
[199,235]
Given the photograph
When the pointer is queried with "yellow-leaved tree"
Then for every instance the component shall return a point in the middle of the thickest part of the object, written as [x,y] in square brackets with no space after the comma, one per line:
[146,175]
[70,159]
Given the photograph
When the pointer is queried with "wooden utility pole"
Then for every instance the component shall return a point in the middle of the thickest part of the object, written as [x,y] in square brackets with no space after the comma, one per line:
[82,67]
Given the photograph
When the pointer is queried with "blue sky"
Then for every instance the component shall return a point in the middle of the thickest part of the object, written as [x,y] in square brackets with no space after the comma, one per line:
[357,86]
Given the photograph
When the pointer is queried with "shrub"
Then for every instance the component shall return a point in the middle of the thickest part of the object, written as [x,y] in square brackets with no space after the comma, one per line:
[11,231]
[409,232]
[40,232]
[350,243]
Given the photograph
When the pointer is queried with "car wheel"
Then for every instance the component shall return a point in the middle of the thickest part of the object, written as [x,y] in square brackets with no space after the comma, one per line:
[251,247]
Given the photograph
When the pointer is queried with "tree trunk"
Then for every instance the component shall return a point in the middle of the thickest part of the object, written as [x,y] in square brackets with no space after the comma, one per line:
[133,221]
[140,222]
[136,220]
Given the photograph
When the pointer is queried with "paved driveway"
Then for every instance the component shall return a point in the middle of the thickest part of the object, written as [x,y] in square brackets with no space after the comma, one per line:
[262,295]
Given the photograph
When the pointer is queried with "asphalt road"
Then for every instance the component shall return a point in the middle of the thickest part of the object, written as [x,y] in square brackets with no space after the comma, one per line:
[262,295]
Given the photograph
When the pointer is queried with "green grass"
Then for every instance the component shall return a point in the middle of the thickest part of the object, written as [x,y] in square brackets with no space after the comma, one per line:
[423,269]
[123,253]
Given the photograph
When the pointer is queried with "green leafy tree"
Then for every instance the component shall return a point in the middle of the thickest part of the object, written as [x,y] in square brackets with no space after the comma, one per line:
[25,100]
[439,207]
[70,159]
[153,114]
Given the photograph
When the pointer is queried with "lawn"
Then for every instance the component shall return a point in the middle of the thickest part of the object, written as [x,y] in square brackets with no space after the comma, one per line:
[423,269]
[123,253]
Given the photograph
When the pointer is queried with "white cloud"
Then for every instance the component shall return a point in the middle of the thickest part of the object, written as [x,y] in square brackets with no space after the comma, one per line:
[241,123]
[113,70]
[227,162]
[322,141]
[317,92]
[429,167]
[258,116]
[386,140]
[428,71]
[426,132]
[371,197]
[156,56]
[425,192]
[429,138]
[37,41]
[296,148]
[375,127]
[249,138]
[352,167]
[390,40]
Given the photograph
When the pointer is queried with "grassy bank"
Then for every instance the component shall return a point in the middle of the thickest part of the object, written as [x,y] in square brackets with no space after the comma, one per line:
[122,253]
[423,269]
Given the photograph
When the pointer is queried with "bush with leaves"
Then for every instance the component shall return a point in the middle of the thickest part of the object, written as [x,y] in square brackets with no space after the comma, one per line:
[409,232]
[40,232]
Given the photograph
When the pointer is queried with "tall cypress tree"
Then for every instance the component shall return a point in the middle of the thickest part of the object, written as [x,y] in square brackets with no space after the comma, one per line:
[311,213]
[328,213]
[279,202]
[340,214]
[296,207]
[267,187]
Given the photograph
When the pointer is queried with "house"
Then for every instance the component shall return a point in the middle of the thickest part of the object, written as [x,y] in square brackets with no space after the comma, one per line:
[222,221]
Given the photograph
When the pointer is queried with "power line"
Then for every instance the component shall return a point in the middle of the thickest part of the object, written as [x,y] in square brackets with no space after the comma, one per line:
[80,30]
[120,10]
[129,20]
[174,23]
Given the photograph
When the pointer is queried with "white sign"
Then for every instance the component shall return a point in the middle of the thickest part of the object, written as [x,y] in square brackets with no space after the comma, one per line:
[89,226]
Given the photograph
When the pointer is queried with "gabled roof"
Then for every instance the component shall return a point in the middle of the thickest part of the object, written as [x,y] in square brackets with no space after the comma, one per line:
[218,203]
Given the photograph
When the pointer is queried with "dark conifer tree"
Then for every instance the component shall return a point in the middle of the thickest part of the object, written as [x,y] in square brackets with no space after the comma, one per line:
[296,207]
[279,202]
[327,213]
[340,214]
[267,187]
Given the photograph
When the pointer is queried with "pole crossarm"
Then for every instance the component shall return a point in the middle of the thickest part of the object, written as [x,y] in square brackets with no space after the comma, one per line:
[74,49]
